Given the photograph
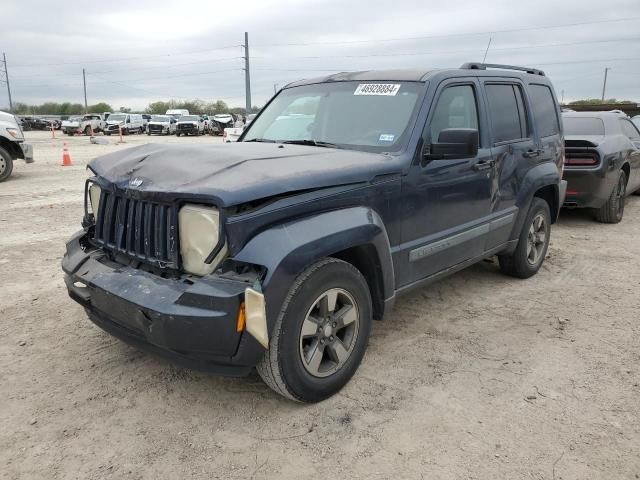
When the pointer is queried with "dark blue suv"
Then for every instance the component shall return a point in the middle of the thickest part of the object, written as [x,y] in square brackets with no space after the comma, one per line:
[279,250]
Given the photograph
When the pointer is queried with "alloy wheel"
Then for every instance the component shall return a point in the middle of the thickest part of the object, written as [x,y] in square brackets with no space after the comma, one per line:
[536,239]
[329,332]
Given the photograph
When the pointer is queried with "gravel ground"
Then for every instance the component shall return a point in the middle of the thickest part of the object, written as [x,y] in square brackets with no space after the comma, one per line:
[479,376]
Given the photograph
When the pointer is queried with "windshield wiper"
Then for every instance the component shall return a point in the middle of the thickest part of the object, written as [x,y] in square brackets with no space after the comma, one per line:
[266,140]
[313,143]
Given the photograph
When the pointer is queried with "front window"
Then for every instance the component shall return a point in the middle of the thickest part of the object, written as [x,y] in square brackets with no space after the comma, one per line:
[160,118]
[189,118]
[370,116]
[116,118]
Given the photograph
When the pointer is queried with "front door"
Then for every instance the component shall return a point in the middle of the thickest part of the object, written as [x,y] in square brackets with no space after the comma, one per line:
[446,202]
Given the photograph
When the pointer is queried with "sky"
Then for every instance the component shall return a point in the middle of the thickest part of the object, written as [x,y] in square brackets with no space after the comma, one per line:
[137,53]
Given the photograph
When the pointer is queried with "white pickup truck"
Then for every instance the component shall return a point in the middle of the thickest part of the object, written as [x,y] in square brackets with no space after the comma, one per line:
[87,124]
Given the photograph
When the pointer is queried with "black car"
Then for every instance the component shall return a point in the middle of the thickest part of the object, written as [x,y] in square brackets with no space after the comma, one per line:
[602,162]
[278,251]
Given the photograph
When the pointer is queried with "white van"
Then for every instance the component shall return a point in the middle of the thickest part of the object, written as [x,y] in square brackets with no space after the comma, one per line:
[177,112]
[129,122]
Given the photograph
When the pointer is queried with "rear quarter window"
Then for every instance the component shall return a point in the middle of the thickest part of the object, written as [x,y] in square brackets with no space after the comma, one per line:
[544,110]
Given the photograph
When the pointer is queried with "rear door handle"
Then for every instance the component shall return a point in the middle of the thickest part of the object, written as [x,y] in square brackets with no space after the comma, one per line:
[532,153]
[483,165]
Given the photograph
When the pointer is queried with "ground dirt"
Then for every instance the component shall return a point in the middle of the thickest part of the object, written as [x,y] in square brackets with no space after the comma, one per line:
[479,376]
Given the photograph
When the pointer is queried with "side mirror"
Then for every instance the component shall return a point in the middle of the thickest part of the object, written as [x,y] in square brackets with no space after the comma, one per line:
[453,143]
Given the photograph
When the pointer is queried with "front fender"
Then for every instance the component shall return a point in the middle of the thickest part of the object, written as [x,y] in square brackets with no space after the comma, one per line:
[287,249]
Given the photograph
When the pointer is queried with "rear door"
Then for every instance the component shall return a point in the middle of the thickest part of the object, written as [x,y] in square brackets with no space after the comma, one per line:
[514,151]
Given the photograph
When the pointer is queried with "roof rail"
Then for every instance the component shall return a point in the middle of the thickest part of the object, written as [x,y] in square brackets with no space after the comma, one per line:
[484,66]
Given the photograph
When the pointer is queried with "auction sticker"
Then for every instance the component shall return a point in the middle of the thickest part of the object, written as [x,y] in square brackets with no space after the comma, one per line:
[389,89]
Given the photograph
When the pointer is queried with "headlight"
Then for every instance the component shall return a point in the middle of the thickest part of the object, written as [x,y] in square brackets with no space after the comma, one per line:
[14,132]
[94,197]
[199,230]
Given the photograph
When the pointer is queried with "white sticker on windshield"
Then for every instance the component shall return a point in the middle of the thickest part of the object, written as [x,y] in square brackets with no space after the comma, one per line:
[389,89]
[386,137]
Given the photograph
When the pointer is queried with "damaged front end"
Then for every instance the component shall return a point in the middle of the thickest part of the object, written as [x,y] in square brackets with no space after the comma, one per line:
[153,271]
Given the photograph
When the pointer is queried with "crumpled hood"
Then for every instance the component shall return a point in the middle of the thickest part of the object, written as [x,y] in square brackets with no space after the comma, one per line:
[234,173]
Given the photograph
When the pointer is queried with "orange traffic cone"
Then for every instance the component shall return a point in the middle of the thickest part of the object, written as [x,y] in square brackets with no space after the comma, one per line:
[66,158]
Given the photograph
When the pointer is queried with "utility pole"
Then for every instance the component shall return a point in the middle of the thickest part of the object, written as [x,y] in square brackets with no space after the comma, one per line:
[84,83]
[604,85]
[562,101]
[247,76]
[6,76]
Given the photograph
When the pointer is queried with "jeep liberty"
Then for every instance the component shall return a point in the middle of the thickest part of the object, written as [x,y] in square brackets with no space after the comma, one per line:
[276,252]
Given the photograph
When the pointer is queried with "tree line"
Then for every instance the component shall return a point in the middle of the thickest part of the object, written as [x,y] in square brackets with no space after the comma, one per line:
[159,107]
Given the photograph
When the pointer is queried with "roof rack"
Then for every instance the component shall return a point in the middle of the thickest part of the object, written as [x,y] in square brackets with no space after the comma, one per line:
[484,66]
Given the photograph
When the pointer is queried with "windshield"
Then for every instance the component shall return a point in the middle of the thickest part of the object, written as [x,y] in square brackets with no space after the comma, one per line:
[189,118]
[160,118]
[583,126]
[116,118]
[361,116]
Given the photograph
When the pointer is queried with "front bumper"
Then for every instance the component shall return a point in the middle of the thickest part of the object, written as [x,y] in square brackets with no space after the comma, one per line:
[190,321]
[588,188]
[189,129]
[27,152]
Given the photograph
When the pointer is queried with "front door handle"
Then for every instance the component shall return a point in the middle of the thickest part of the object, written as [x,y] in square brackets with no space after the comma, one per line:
[532,153]
[483,165]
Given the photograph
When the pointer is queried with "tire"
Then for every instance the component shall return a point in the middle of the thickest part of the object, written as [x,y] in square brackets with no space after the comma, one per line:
[87,130]
[529,254]
[140,131]
[284,367]
[149,133]
[6,165]
[107,133]
[177,134]
[613,210]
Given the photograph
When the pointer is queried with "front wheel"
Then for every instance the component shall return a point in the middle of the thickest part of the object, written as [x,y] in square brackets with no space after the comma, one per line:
[321,333]
[612,211]
[533,243]
[6,165]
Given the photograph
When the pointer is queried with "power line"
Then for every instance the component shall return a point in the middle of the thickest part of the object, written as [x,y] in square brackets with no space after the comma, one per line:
[488,32]
[124,59]
[446,52]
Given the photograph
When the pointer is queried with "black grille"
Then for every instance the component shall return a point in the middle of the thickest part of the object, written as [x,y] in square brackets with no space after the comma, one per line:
[142,230]
[186,126]
[156,128]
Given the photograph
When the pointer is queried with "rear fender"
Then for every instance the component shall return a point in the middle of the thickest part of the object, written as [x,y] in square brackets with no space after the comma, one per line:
[541,176]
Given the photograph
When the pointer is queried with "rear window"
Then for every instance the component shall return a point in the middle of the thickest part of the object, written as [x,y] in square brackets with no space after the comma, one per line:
[583,126]
[544,110]
[507,114]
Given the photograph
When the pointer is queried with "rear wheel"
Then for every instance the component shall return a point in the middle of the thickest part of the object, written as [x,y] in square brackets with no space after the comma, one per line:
[87,130]
[613,210]
[6,165]
[321,333]
[533,243]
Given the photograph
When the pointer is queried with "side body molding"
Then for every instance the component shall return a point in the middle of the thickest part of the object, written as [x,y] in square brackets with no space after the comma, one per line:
[287,249]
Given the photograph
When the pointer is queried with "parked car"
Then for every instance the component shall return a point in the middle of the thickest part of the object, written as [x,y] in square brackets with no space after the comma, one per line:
[87,124]
[161,125]
[189,125]
[128,122]
[177,112]
[145,120]
[249,119]
[12,145]
[602,162]
[220,122]
[279,250]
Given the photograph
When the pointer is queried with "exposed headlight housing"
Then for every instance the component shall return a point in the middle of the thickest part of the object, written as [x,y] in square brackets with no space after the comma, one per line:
[199,230]
[94,197]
